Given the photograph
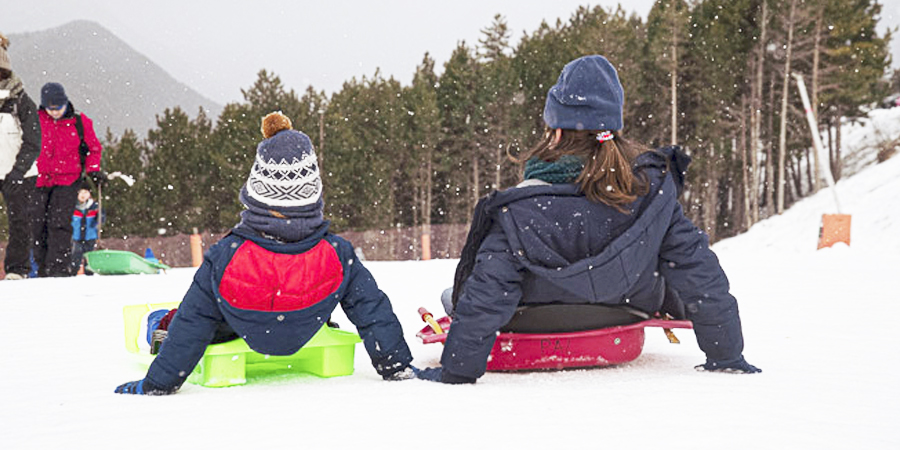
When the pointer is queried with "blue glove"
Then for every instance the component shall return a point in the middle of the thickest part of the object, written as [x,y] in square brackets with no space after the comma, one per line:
[437,374]
[735,366]
[430,374]
[143,387]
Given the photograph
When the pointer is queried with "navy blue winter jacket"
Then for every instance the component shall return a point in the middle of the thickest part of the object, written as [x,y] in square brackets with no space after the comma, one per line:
[549,243]
[276,296]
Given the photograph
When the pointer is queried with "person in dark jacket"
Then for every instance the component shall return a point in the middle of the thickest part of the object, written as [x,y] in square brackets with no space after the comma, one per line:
[60,165]
[85,220]
[20,143]
[278,275]
[596,221]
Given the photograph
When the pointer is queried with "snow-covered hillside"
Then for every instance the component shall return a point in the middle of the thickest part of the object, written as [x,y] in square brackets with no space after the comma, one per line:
[819,324]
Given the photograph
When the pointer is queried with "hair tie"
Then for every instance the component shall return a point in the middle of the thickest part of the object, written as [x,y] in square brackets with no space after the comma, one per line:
[605,136]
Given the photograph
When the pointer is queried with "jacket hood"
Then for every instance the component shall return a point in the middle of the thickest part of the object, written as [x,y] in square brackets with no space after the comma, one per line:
[587,249]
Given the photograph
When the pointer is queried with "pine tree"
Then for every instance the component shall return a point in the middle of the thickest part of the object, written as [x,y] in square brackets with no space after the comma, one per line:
[423,125]
[666,41]
[859,58]
[459,152]
[126,207]
[497,92]
[175,172]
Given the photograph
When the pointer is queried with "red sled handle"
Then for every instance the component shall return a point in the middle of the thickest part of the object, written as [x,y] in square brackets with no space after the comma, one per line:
[428,335]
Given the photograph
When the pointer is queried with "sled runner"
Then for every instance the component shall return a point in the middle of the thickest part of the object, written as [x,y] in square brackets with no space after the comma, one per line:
[328,354]
[120,262]
[564,336]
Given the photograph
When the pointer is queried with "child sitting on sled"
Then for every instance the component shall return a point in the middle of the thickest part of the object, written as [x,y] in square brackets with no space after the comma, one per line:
[277,276]
[596,221]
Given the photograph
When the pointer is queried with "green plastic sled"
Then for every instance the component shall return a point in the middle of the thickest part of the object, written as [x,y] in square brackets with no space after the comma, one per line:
[120,262]
[328,354]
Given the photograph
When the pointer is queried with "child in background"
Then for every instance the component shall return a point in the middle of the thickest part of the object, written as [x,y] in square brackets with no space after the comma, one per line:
[275,279]
[84,228]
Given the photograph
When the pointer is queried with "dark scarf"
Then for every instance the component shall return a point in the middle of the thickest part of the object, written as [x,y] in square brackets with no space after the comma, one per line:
[280,224]
[564,170]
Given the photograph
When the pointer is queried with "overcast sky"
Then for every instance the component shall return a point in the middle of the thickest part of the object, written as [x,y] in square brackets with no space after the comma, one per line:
[217,47]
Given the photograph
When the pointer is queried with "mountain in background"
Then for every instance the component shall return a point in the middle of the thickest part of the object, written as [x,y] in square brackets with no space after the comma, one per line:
[116,86]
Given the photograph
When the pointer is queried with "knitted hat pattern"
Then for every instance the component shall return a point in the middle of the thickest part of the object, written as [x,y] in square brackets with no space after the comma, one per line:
[285,173]
[587,96]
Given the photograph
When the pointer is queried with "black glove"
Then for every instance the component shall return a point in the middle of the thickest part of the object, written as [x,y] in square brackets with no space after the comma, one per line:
[143,387]
[439,375]
[734,366]
[99,177]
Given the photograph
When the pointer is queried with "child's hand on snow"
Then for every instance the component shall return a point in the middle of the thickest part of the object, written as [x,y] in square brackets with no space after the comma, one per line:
[143,387]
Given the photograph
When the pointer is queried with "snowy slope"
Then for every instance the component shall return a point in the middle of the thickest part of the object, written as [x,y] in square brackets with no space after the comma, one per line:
[819,323]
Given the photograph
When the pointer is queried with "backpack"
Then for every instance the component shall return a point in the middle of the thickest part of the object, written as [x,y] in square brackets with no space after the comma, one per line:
[83,149]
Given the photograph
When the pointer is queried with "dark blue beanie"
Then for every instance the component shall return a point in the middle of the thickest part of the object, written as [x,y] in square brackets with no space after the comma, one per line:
[53,94]
[285,175]
[587,96]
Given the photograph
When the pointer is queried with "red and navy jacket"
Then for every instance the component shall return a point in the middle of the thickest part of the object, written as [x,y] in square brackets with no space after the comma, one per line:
[84,223]
[276,296]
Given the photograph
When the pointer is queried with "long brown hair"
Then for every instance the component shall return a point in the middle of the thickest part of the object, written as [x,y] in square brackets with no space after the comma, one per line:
[607,176]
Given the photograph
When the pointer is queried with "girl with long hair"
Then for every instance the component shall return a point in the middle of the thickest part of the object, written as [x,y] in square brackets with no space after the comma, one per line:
[595,222]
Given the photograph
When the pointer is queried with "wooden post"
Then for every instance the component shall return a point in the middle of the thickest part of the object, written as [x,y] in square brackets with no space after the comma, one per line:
[196,249]
[426,246]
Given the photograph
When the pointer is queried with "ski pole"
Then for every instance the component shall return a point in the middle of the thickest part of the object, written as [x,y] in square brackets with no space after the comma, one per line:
[99,214]
[429,319]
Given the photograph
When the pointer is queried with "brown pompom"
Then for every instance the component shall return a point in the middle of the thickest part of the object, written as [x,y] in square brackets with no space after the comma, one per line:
[4,42]
[275,122]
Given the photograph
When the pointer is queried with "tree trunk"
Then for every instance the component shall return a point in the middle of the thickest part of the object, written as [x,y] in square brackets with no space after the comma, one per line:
[756,118]
[810,173]
[476,182]
[830,138]
[711,196]
[746,172]
[418,193]
[674,74]
[836,164]
[797,177]
[770,164]
[426,197]
[782,134]
[815,99]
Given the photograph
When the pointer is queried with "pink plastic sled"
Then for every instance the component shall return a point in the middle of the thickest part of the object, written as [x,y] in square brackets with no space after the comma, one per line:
[592,348]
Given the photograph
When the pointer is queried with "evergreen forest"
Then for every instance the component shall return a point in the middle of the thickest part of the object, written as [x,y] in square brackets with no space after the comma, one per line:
[714,76]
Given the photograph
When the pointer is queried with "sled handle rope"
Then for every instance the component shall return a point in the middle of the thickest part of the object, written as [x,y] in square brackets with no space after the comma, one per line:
[429,319]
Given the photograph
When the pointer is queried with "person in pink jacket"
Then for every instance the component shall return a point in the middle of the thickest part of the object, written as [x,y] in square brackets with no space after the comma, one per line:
[69,148]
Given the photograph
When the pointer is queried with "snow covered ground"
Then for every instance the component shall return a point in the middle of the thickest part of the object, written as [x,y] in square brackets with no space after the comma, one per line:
[817,322]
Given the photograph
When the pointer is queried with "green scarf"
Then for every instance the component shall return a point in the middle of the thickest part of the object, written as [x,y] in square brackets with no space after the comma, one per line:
[12,84]
[564,170]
